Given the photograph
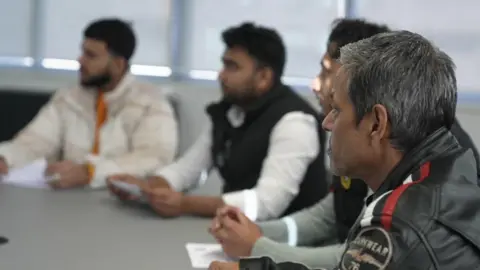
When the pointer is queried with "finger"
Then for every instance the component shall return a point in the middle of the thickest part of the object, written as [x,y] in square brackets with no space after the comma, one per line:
[223,210]
[217,265]
[222,235]
[217,237]
[233,213]
[241,218]
[219,212]
[122,195]
[214,266]
[215,224]
[230,224]
[226,210]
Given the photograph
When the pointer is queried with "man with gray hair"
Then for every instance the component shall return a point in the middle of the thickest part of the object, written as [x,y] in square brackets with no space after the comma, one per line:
[393,105]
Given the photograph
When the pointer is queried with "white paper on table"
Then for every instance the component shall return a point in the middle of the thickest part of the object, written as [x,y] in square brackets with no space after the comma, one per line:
[201,255]
[32,175]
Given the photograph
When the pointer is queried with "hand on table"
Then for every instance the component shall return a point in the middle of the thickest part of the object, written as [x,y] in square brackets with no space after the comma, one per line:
[235,232]
[126,178]
[165,201]
[68,174]
[224,266]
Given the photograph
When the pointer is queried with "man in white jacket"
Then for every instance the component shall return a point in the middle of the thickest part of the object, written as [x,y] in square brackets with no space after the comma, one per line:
[109,124]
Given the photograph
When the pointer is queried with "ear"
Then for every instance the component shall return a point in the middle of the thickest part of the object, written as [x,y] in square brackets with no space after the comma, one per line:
[379,127]
[264,78]
[120,62]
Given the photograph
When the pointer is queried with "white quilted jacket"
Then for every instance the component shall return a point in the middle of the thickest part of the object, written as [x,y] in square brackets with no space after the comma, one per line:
[139,135]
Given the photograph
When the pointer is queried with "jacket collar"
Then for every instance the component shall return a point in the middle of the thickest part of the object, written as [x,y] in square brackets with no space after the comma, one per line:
[83,99]
[438,144]
[120,90]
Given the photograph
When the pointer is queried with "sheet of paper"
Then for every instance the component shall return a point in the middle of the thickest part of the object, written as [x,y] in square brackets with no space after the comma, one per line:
[32,175]
[201,255]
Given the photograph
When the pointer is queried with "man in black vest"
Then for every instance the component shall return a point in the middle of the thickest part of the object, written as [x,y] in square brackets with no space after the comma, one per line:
[265,140]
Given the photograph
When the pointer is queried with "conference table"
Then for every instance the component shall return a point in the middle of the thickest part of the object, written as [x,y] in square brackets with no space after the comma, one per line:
[85,229]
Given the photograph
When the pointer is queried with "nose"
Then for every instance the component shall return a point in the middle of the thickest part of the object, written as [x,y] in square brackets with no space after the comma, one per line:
[221,75]
[315,85]
[80,61]
[327,122]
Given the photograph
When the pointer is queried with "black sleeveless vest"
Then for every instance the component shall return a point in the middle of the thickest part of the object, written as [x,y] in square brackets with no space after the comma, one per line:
[238,152]
[349,195]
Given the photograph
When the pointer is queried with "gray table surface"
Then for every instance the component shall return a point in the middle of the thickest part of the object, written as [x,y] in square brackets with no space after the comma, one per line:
[80,229]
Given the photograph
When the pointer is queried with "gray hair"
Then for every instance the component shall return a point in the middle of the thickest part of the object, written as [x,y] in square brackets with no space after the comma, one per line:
[407,74]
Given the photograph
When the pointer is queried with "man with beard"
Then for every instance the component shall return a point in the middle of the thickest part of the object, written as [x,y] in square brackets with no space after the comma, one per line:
[265,140]
[109,124]
[393,106]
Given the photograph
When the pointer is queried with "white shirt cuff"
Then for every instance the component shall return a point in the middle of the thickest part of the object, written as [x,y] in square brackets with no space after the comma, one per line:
[246,200]
[171,177]
[292,230]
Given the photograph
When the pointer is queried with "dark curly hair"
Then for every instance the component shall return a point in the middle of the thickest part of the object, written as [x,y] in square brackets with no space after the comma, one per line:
[346,31]
[263,44]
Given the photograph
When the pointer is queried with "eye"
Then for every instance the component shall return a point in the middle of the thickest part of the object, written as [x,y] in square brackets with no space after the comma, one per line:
[335,111]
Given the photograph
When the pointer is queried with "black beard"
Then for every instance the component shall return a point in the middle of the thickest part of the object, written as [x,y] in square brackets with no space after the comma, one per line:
[241,100]
[97,81]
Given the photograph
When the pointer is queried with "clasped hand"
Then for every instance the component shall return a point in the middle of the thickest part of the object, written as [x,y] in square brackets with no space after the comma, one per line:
[163,200]
[234,231]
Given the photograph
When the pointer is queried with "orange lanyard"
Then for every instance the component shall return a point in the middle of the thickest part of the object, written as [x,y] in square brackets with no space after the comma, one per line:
[101,117]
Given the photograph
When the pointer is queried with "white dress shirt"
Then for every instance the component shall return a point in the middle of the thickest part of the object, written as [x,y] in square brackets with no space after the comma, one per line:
[294,144]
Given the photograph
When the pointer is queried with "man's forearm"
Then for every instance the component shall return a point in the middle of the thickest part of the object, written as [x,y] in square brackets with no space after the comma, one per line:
[277,230]
[158,182]
[201,205]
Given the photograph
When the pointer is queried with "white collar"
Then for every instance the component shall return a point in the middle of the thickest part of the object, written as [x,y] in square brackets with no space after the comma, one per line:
[236,116]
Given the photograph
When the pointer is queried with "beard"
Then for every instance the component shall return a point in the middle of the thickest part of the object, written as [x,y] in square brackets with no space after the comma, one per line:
[97,81]
[240,96]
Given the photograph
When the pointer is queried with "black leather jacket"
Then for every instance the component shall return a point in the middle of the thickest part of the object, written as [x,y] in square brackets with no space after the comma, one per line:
[425,215]
[466,142]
